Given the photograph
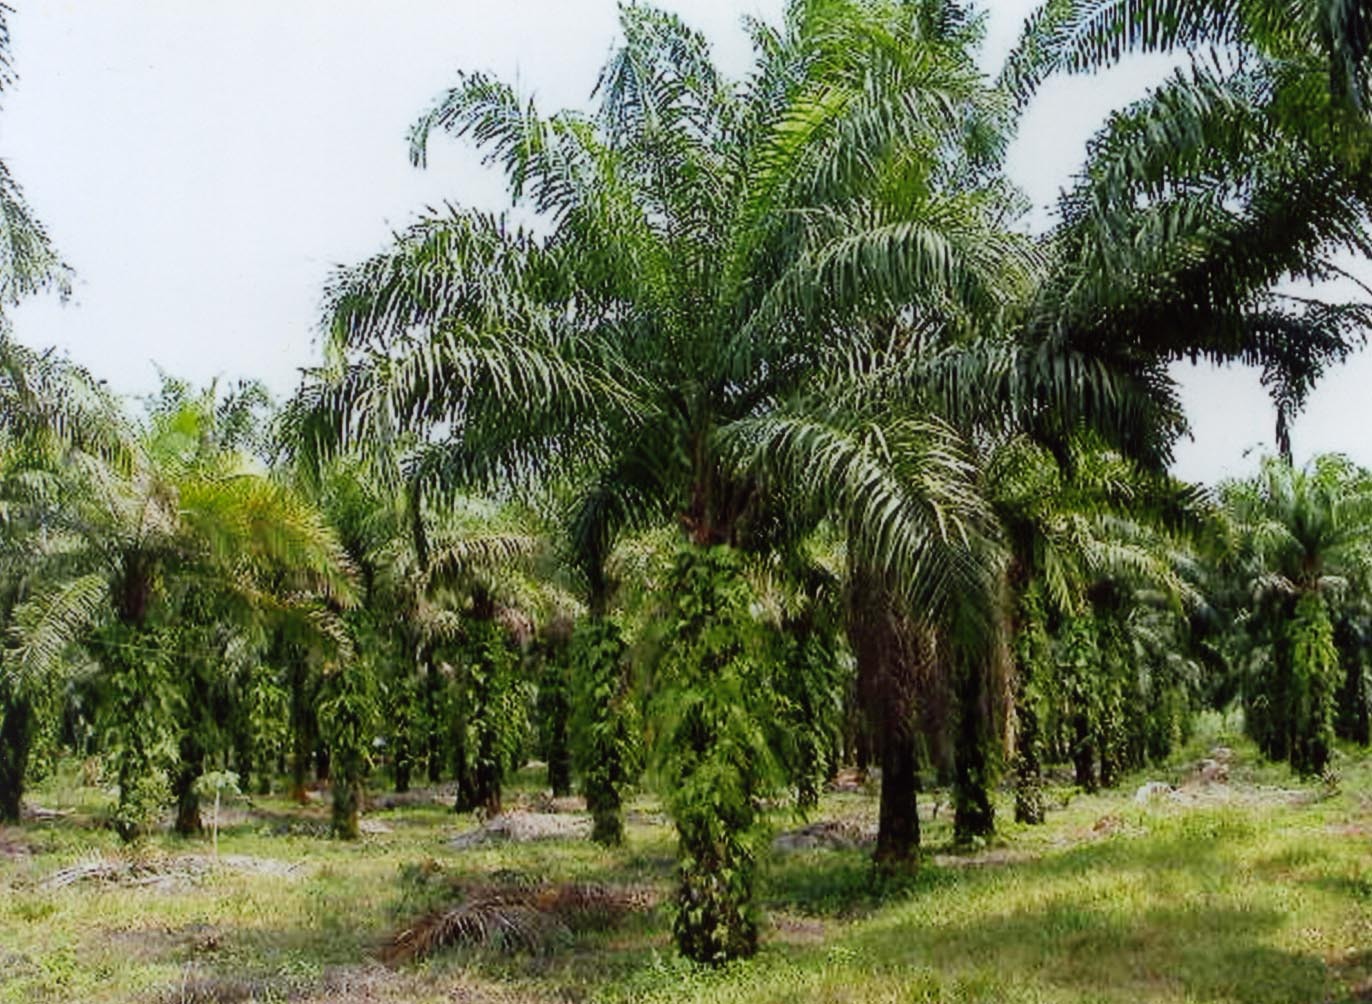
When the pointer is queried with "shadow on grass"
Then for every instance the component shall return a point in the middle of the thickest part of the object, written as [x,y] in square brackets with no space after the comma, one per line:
[1199,952]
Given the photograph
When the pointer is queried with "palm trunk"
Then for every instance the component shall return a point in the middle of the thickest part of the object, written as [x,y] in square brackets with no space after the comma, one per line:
[556,724]
[898,825]
[465,799]
[487,785]
[1028,768]
[974,816]
[16,740]
[302,727]
[1084,753]
[433,699]
[402,759]
[189,768]
[300,767]
[1355,703]
[347,804]
[243,759]
[889,650]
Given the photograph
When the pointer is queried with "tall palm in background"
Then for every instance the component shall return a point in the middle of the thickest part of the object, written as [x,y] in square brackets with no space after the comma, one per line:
[1299,545]
[189,529]
[51,413]
[1246,169]
[47,408]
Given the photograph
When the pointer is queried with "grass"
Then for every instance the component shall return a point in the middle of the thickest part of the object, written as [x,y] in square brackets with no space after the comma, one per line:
[1254,892]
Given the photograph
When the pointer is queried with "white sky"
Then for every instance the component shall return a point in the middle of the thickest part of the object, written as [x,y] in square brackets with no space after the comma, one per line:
[204,164]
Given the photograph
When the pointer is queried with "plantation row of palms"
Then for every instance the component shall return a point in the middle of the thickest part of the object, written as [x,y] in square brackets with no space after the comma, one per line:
[770,441]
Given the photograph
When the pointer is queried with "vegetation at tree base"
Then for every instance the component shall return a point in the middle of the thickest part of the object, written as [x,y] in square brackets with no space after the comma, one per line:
[769,465]
[607,744]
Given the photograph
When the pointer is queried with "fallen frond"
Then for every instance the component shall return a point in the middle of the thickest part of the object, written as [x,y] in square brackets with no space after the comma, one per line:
[517,917]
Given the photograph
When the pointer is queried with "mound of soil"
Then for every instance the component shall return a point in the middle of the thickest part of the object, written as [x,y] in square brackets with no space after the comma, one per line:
[829,835]
[523,827]
[163,870]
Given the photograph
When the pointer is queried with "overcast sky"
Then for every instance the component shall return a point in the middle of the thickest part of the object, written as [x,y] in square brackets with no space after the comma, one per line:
[203,165]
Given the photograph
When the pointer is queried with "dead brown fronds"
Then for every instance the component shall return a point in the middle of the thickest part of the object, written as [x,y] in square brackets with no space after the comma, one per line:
[515,917]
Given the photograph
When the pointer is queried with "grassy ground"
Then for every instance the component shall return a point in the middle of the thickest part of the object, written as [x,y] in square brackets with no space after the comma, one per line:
[1255,890]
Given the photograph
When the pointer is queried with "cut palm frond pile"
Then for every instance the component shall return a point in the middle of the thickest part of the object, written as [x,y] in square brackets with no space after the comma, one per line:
[515,917]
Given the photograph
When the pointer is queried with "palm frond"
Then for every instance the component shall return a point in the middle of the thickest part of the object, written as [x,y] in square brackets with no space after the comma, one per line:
[47,625]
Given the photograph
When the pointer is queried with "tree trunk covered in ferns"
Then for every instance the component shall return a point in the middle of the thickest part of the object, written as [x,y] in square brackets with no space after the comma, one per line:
[1033,655]
[347,715]
[465,797]
[1112,686]
[493,711]
[244,760]
[401,726]
[402,763]
[487,778]
[1355,699]
[1078,668]
[605,724]
[1028,767]
[555,712]
[712,700]
[139,689]
[303,725]
[1314,674]
[811,685]
[1084,753]
[16,741]
[434,746]
[190,765]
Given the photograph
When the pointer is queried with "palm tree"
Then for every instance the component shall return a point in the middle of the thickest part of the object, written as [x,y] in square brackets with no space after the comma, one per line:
[711,247]
[46,406]
[1236,173]
[29,263]
[1300,543]
[186,528]
[50,413]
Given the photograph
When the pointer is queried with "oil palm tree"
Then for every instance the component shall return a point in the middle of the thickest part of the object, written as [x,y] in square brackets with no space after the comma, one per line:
[1093,538]
[186,525]
[1242,170]
[51,413]
[710,247]
[1300,543]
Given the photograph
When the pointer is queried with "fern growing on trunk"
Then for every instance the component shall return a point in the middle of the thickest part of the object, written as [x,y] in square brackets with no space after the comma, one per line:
[606,727]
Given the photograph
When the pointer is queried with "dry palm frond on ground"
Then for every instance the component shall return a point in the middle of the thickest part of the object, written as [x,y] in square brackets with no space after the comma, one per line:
[517,918]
